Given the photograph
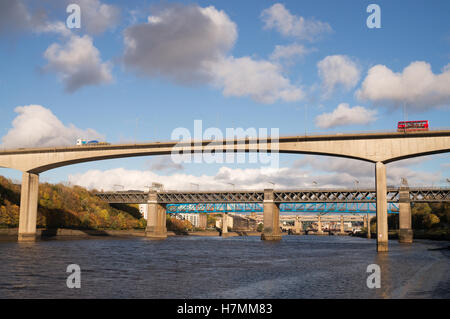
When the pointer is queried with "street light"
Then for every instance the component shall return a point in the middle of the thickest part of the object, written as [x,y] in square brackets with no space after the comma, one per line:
[356,184]
[314,183]
[273,184]
[198,186]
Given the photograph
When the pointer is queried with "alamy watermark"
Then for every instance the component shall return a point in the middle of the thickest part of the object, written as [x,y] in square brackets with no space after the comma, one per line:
[374,279]
[374,19]
[235,146]
[74,279]
[73,21]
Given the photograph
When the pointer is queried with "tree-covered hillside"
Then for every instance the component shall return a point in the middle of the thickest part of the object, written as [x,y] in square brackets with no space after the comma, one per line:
[63,206]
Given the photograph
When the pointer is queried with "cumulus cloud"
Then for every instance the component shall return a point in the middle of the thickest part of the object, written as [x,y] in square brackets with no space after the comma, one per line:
[416,86]
[338,70]
[177,41]
[164,163]
[97,17]
[189,44]
[346,115]
[15,17]
[279,18]
[262,80]
[351,173]
[288,52]
[57,27]
[309,172]
[37,126]
[77,62]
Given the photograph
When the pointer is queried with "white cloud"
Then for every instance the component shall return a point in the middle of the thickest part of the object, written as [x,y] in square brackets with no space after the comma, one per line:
[97,17]
[346,115]
[338,70]
[177,41]
[288,52]
[417,86]
[135,179]
[37,126]
[279,18]
[327,172]
[15,17]
[345,172]
[262,80]
[189,44]
[57,27]
[77,62]
[164,163]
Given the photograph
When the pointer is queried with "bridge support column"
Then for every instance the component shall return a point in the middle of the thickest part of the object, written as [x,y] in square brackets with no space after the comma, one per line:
[271,217]
[28,207]
[156,220]
[298,226]
[405,234]
[319,225]
[224,225]
[382,224]
[342,225]
[369,218]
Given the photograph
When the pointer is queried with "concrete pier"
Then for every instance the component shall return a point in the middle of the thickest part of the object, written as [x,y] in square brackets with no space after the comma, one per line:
[298,226]
[369,218]
[405,234]
[156,220]
[271,217]
[224,225]
[382,224]
[342,225]
[28,207]
[319,225]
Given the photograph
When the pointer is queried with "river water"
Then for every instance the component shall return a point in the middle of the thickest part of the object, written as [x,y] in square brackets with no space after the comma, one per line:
[214,267]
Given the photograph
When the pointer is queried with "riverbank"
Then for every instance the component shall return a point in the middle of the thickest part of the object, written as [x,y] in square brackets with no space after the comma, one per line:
[11,233]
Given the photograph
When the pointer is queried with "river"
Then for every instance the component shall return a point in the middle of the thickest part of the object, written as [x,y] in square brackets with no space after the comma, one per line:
[214,267]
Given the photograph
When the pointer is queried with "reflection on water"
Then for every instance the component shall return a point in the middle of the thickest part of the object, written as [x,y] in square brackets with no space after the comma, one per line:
[213,267]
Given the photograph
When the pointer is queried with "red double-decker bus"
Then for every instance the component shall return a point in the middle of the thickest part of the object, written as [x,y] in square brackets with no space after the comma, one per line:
[412,126]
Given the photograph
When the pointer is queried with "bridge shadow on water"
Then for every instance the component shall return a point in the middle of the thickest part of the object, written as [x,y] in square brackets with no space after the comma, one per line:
[56,219]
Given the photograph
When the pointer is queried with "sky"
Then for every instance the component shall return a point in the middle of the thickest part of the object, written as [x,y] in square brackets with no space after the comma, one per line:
[135,71]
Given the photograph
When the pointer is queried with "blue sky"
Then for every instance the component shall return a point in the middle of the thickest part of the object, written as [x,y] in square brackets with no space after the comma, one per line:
[135,99]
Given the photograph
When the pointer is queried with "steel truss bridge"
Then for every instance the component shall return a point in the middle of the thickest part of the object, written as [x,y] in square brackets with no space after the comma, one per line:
[320,200]
[320,208]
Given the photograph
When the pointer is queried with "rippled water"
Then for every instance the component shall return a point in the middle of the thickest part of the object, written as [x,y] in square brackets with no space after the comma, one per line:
[213,267]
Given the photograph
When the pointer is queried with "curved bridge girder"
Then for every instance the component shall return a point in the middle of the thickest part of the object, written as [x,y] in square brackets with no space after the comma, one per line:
[380,147]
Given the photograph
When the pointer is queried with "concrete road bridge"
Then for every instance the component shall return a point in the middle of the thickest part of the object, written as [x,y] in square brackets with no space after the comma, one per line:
[377,148]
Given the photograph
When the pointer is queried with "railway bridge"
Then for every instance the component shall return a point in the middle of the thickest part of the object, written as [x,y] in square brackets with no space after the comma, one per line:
[271,202]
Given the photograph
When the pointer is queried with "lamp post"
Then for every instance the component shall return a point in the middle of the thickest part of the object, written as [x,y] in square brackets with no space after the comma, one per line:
[198,186]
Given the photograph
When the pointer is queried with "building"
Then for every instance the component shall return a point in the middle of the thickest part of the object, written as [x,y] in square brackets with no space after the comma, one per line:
[229,222]
[143,209]
[197,220]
